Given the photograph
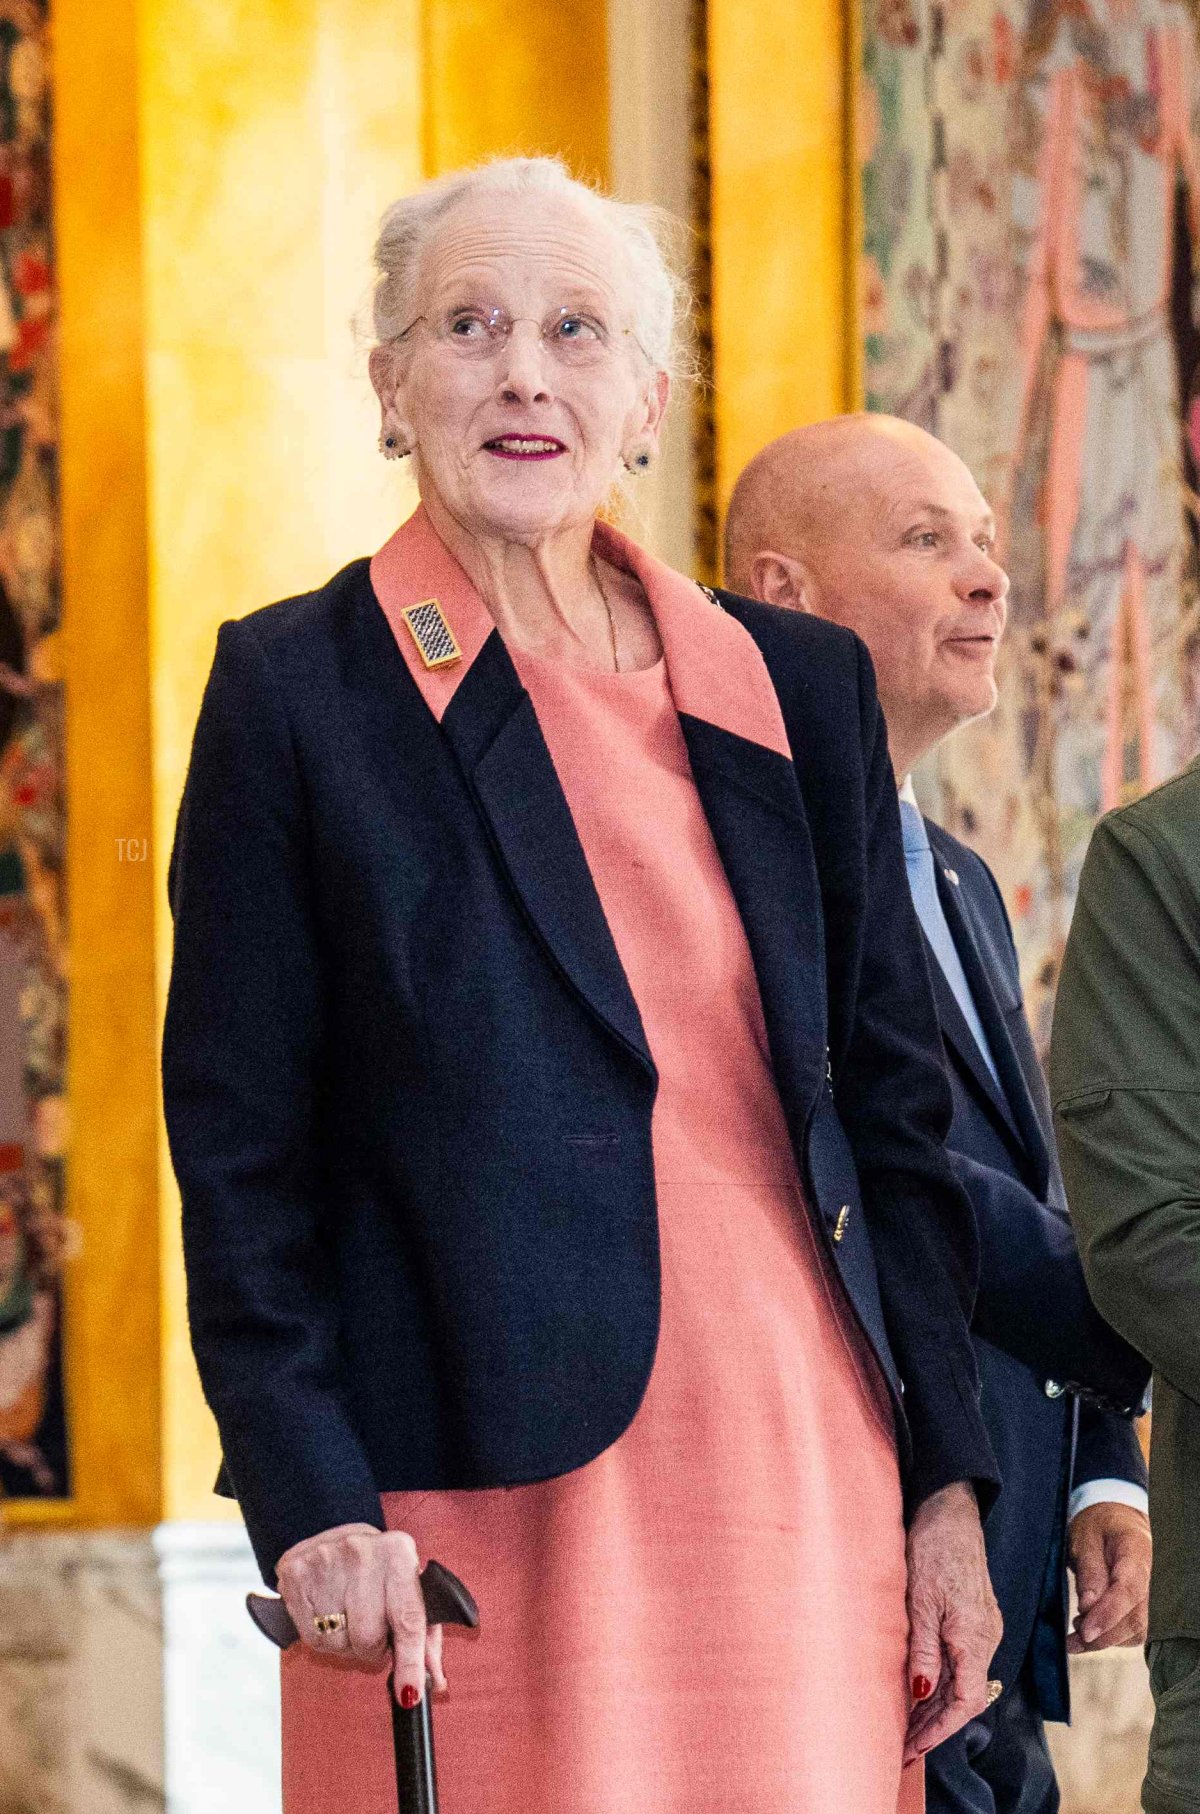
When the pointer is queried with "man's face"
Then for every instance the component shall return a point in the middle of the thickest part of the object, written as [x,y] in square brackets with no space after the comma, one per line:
[908,564]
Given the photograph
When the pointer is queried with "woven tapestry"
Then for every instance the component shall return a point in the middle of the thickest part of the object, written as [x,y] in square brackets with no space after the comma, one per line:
[33,1428]
[1031,187]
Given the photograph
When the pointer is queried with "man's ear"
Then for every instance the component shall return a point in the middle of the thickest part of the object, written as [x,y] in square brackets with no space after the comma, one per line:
[780,579]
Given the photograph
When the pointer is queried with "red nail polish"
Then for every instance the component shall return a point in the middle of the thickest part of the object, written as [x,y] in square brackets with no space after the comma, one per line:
[409,1696]
[922,1688]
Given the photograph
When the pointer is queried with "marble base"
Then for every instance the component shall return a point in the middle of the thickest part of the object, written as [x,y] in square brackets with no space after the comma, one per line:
[131,1679]
[220,1676]
[80,1675]
[1101,1756]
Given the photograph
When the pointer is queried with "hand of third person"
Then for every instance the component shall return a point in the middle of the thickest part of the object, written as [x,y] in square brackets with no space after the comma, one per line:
[373,1577]
[954,1623]
[1110,1551]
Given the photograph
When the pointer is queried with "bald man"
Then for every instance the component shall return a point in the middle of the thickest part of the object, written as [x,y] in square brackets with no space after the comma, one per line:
[875,525]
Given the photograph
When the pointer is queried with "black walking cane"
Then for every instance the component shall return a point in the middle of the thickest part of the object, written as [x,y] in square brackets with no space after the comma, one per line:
[447,1602]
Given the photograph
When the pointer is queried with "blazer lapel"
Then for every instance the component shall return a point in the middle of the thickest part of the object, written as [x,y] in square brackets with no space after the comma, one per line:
[752,802]
[1010,1096]
[1022,1109]
[957,1032]
[491,726]
[741,762]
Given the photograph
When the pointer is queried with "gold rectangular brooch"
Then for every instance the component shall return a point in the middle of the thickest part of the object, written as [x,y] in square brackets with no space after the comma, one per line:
[432,634]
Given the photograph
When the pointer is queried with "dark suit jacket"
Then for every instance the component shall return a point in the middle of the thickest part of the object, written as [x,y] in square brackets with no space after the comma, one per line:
[408,1093]
[1046,1357]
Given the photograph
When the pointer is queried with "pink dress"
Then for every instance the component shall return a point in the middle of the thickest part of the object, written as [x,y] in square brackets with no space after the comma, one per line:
[709,1618]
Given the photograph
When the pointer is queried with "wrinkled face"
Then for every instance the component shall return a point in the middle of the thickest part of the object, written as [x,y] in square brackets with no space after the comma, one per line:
[521,436]
[911,570]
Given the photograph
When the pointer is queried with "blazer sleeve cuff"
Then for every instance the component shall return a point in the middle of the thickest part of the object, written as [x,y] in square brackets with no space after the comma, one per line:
[285,1498]
[950,1442]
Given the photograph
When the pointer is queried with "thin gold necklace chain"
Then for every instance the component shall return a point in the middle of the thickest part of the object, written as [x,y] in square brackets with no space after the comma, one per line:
[612,628]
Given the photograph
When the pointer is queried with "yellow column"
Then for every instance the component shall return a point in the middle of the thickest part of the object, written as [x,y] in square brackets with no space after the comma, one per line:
[530,78]
[783,221]
[112,1309]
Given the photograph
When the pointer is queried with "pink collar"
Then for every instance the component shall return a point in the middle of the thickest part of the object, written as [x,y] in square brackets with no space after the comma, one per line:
[714,665]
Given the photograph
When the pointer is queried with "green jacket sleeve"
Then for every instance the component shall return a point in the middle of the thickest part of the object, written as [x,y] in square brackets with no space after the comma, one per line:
[1125,1080]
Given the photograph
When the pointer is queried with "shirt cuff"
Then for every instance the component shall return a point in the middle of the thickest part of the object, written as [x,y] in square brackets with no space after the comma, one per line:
[1107,1492]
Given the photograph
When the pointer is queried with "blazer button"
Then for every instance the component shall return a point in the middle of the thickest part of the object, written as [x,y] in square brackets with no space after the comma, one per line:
[839,1227]
[1053,1389]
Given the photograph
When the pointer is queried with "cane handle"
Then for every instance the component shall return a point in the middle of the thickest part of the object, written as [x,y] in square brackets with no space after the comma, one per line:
[447,1602]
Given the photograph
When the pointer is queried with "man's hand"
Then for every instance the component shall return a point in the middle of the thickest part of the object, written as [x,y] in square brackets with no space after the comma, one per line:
[1110,1551]
[954,1623]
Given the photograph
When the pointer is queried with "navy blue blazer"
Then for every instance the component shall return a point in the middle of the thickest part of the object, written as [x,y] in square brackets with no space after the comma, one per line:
[408,1094]
[1059,1386]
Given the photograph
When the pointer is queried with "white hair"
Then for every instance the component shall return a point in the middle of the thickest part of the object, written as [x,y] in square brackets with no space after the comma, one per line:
[657,297]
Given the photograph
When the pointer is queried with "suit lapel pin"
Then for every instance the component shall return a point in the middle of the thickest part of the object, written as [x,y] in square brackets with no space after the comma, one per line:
[951,876]
[432,634]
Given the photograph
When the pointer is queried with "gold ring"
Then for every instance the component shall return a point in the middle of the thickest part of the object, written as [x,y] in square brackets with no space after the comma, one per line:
[330,1621]
[995,1690]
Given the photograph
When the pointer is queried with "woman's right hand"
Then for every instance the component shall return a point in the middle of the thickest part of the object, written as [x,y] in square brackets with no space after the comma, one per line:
[374,1578]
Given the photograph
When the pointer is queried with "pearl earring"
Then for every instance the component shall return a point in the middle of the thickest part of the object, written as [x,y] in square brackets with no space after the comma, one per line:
[639,462]
[390,446]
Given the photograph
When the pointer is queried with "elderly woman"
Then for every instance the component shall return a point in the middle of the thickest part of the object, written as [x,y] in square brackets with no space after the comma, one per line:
[554,1089]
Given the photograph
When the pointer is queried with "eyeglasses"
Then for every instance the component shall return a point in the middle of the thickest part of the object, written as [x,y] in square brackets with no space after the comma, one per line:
[571,336]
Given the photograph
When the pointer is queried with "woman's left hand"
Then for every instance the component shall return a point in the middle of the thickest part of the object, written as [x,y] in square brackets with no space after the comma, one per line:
[954,1623]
